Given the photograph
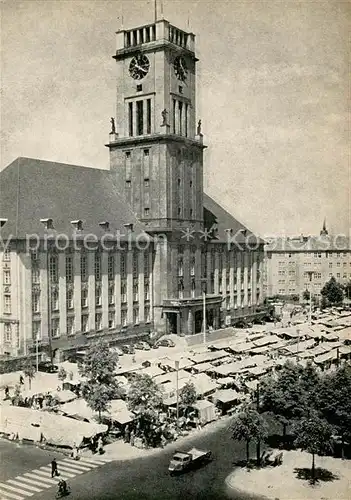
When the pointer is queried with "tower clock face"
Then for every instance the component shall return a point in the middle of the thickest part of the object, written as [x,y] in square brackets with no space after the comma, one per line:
[139,66]
[180,68]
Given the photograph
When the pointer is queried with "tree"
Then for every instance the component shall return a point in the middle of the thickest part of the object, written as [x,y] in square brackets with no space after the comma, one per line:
[306,295]
[334,402]
[98,368]
[314,436]
[284,396]
[187,396]
[98,397]
[145,400]
[333,291]
[62,374]
[29,371]
[247,426]
[347,290]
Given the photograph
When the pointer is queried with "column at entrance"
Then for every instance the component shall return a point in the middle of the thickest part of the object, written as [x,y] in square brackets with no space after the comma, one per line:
[178,323]
[190,322]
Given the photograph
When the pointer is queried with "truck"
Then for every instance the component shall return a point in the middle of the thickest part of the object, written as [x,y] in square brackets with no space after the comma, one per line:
[186,460]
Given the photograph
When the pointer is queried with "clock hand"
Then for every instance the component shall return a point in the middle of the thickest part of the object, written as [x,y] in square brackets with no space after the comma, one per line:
[139,67]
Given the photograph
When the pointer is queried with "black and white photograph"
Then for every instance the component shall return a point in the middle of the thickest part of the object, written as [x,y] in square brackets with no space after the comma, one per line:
[175,228]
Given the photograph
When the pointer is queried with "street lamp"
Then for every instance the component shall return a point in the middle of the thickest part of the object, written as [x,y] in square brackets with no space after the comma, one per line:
[204,286]
[176,365]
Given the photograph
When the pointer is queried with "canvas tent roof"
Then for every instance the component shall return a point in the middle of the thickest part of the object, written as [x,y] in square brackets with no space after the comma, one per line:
[56,429]
[226,396]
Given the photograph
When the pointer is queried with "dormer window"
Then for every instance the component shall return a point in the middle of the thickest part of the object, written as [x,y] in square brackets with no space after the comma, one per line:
[129,227]
[105,225]
[77,224]
[3,222]
[48,223]
[243,231]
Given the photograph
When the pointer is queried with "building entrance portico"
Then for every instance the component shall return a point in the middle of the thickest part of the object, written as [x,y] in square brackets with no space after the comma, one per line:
[185,316]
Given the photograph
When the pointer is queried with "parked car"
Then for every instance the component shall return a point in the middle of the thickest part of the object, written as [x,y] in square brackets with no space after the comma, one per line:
[128,349]
[46,366]
[144,346]
[117,350]
[165,343]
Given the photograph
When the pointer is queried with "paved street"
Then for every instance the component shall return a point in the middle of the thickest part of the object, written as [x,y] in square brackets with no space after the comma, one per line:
[148,478]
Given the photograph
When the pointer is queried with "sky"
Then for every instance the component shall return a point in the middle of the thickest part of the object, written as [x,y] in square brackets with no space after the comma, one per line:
[272,94]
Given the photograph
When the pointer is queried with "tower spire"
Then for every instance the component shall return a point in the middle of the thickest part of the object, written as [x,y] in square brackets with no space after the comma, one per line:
[324,231]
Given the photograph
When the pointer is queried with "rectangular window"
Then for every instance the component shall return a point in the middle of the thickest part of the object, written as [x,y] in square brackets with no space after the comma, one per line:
[148,116]
[69,268]
[98,322]
[338,275]
[123,292]
[135,265]
[53,268]
[136,315]
[35,274]
[192,265]
[84,319]
[180,266]
[111,267]
[146,183]
[69,299]
[123,265]
[135,291]
[111,295]
[111,319]
[180,104]
[180,289]
[97,266]
[7,333]
[55,327]
[140,117]
[35,302]
[84,298]
[54,300]
[146,265]
[7,277]
[146,290]
[146,212]
[147,314]
[98,296]
[83,267]
[7,255]
[193,288]
[174,115]
[130,119]
[123,317]
[70,325]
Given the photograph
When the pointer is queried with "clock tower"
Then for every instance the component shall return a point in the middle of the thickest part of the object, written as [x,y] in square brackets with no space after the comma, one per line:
[156,149]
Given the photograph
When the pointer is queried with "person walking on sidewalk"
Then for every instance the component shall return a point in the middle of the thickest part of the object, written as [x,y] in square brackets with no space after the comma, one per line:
[75,452]
[54,471]
[100,446]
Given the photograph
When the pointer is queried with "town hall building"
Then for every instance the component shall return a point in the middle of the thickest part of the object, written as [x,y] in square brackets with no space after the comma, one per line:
[135,249]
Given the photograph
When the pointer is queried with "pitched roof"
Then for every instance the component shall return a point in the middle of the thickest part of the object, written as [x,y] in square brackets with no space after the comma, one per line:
[215,215]
[32,189]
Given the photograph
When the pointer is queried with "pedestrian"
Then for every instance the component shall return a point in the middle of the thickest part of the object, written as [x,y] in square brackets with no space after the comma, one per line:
[54,471]
[100,446]
[132,437]
[92,444]
[127,434]
[7,392]
[75,452]
[21,379]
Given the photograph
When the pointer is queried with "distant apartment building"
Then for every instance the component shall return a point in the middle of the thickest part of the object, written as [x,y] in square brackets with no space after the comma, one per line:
[293,265]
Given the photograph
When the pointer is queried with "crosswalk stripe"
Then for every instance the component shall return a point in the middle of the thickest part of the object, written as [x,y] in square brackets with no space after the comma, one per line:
[5,487]
[73,465]
[40,475]
[20,483]
[30,481]
[48,469]
[67,468]
[91,461]
[6,495]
